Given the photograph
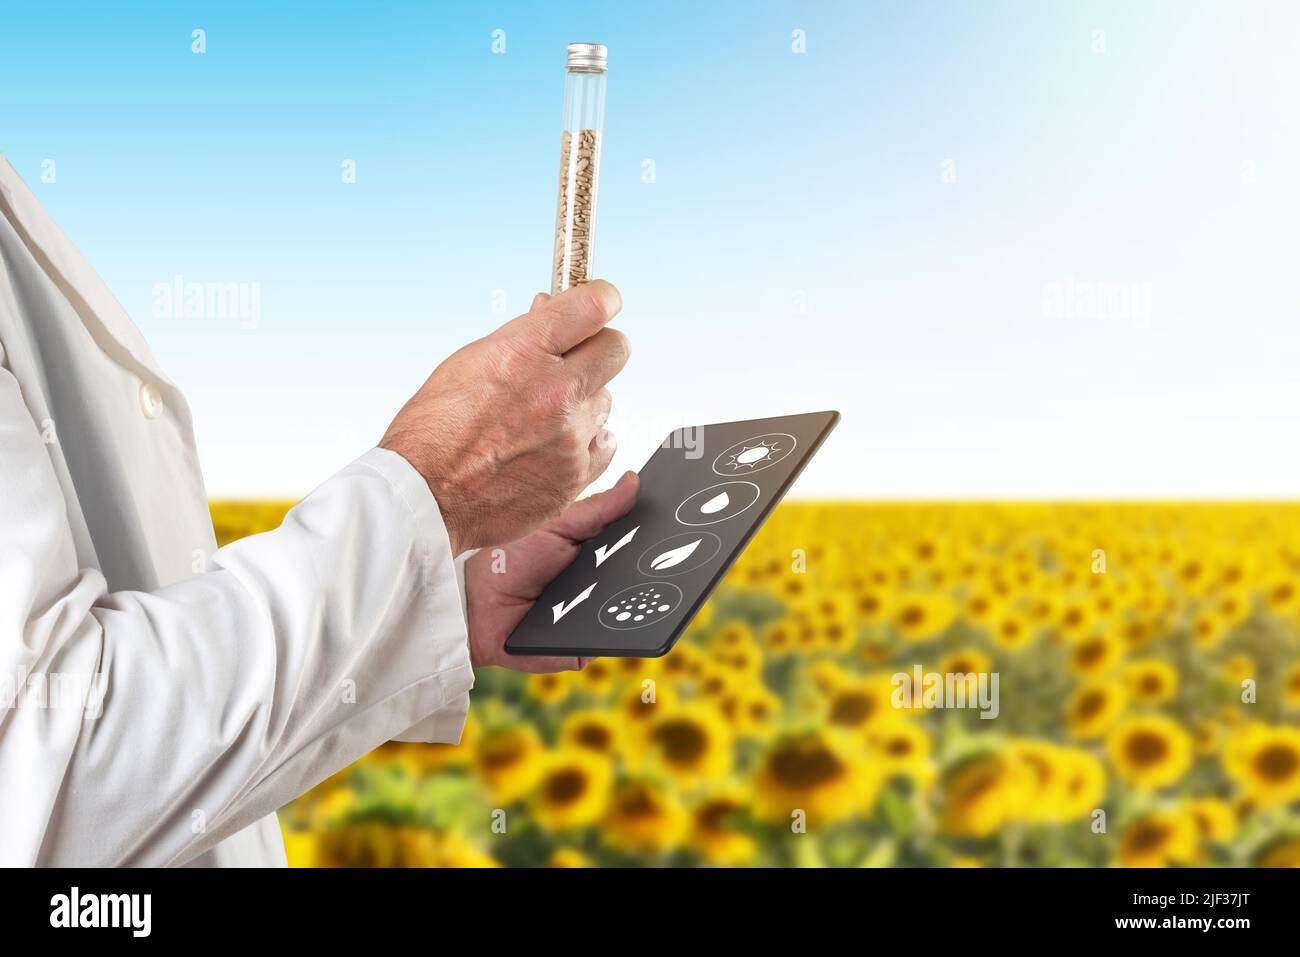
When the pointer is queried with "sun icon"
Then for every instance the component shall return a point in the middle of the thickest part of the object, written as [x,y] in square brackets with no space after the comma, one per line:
[751,456]
[754,455]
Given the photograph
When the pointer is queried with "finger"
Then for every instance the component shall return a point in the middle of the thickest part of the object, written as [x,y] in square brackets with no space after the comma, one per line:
[595,411]
[567,319]
[587,517]
[601,450]
[539,300]
[544,665]
[598,359]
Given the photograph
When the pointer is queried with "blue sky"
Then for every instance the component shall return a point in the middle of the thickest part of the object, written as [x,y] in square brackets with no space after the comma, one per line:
[1026,249]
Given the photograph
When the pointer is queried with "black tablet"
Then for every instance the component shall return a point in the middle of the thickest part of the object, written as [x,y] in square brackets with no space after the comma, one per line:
[633,589]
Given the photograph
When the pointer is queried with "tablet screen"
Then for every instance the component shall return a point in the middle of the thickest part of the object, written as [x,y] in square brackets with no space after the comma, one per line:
[634,588]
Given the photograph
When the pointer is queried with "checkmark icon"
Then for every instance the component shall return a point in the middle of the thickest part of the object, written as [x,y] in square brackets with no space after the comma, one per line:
[605,551]
[560,609]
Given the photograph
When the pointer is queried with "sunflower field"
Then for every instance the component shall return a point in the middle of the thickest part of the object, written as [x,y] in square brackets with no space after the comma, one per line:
[1147,707]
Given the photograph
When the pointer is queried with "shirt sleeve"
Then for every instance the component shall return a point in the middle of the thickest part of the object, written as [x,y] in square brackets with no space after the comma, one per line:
[188,713]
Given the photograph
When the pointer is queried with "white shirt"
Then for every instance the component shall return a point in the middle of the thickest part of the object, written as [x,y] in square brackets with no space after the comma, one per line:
[160,698]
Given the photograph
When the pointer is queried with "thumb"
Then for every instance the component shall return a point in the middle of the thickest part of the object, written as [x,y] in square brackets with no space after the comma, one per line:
[587,517]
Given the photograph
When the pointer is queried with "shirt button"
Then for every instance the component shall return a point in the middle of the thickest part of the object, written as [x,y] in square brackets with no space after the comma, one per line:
[151,403]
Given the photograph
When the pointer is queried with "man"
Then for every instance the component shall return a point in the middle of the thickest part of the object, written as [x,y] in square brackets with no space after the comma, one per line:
[159,699]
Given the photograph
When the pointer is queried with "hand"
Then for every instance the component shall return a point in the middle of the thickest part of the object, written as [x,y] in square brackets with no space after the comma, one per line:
[499,600]
[508,430]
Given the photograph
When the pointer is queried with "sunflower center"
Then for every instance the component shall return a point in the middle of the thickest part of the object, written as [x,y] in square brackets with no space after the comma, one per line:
[851,709]
[1150,684]
[681,741]
[1090,704]
[593,736]
[898,747]
[638,803]
[1147,748]
[1277,762]
[713,816]
[806,767]
[1148,836]
[565,786]
[501,754]
[912,616]
[1090,652]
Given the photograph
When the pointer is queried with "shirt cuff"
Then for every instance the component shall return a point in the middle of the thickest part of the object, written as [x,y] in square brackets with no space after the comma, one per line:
[443,585]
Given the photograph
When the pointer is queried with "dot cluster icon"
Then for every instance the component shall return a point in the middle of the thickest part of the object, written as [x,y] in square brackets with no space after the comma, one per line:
[640,605]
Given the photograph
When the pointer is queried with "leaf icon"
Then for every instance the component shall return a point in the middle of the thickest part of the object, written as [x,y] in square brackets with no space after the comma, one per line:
[715,504]
[675,556]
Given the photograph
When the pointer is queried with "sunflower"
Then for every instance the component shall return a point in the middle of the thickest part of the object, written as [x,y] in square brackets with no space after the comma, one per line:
[1208,736]
[1291,688]
[691,743]
[592,730]
[779,636]
[756,711]
[979,606]
[509,761]
[713,835]
[568,857]
[983,794]
[828,675]
[1095,656]
[1284,852]
[836,634]
[629,669]
[742,657]
[733,635]
[300,847]
[1093,709]
[370,843]
[549,689]
[452,850]
[1149,751]
[1216,821]
[1264,761]
[684,661]
[1282,596]
[418,758]
[1238,668]
[1150,680]
[1046,776]
[598,677]
[643,703]
[858,704]
[920,616]
[871,605]
[572,791]
[875,651]
[965,661]
[1076,619]
[1083,784]
[819,773]
[1012,631]
[715,683]
[901,749]
[1158,839]
[644,818]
